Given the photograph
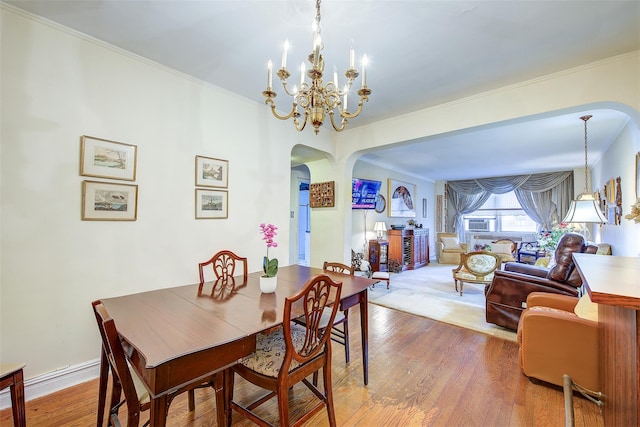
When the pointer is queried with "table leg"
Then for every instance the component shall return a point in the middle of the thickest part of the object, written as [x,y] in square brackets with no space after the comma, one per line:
[158,417]
[17,399]
[364,330]
[221,398]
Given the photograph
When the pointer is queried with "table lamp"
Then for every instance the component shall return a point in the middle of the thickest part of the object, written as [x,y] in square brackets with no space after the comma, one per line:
[380,227]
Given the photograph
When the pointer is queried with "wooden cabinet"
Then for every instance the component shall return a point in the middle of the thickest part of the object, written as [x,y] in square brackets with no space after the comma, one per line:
[618,331]
[410,248]
[378,254]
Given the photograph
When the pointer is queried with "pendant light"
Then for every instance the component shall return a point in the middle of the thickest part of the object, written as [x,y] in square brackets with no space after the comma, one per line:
[585,208]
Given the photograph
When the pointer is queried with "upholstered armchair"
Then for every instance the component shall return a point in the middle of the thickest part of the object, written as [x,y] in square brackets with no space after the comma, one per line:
[449,248]
[507,294]
[505,249]
[558,335]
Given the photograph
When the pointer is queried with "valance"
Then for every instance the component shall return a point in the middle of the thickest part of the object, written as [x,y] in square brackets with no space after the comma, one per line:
[499,185]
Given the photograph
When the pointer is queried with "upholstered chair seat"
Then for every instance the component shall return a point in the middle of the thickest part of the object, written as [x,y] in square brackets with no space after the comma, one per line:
[270,350]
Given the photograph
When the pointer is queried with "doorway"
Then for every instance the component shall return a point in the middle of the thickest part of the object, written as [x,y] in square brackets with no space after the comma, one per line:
[304,224]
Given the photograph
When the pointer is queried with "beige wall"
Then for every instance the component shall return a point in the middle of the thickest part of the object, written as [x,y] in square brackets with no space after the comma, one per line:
[620,161]
[57,86]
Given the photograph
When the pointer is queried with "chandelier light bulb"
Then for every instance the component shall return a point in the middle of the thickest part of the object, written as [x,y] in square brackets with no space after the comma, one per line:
[285,49]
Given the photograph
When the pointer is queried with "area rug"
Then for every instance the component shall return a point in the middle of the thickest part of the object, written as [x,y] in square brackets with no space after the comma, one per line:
[429,292]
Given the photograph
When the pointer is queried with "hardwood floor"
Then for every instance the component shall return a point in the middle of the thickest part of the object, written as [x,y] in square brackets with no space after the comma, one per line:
[422,373]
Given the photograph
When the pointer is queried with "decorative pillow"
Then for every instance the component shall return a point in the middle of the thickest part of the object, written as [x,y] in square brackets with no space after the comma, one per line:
[586,309]
[501,248]
[450,242]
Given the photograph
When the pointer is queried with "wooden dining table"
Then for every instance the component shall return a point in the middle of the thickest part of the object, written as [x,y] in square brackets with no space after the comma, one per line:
[180,334]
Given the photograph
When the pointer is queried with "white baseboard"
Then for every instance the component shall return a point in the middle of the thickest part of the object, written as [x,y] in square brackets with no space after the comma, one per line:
[54,381]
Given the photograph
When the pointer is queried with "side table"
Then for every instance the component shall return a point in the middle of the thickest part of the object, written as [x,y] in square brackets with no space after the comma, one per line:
[11,376]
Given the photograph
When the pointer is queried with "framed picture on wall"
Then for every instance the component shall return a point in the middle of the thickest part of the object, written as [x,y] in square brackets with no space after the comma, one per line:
[107,159]
[211,172]
[106,201]
[212,204]
[401,199]
[638,175]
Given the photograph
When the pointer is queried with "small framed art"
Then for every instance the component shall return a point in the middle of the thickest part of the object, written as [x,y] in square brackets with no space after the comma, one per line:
[322,194]
[212,204]
[638,175]
[102,158]
[106,201]
[211,172]
[401,199]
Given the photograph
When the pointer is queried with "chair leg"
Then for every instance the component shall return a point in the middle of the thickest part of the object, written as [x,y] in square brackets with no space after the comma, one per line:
[116,392]
[102,388]
[283,404]
[328,392]
[345,327]
[191,396]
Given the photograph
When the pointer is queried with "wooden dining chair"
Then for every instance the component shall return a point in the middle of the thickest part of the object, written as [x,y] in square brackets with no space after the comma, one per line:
[290,354]
[224,265]
[339,334]
[125,379]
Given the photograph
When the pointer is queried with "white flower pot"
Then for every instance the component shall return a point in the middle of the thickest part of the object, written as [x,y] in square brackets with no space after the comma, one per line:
[268,284]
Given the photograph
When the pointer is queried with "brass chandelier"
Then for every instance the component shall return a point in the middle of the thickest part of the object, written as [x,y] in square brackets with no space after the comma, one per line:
[315,98]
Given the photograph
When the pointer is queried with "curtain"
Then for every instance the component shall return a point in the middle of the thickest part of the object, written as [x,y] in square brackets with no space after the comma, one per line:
[464,204]
[545,197]
[538,206]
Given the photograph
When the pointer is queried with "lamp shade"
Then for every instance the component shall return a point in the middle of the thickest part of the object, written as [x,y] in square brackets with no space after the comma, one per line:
[585,209]
[380,226]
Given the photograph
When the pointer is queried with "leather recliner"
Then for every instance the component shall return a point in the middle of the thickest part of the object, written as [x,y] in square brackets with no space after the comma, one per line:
[558,335]
[506,295]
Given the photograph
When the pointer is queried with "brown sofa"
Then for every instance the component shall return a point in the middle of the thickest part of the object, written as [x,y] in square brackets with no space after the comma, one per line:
[506,295]
[558,335]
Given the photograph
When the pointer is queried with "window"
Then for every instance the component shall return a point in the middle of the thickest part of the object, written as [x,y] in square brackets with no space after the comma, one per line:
[502,212]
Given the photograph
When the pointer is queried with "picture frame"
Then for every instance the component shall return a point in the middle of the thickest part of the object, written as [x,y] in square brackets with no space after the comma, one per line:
[108,201]
[381,203]
[322,194]
[424,208]
[401,199]
[212,204]
[638,175]
[102,158]
[212,172]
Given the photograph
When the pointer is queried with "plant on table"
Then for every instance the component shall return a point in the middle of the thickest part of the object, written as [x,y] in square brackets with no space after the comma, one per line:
[548,240]
[269,266]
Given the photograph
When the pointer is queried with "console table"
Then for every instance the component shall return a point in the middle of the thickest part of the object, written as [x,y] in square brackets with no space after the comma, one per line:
[409,247]
[614,283]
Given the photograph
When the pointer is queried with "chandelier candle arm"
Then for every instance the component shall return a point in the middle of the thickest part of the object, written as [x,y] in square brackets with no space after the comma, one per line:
[316,99]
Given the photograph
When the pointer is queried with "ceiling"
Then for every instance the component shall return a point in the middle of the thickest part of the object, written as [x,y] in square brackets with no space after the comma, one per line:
[421,53]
